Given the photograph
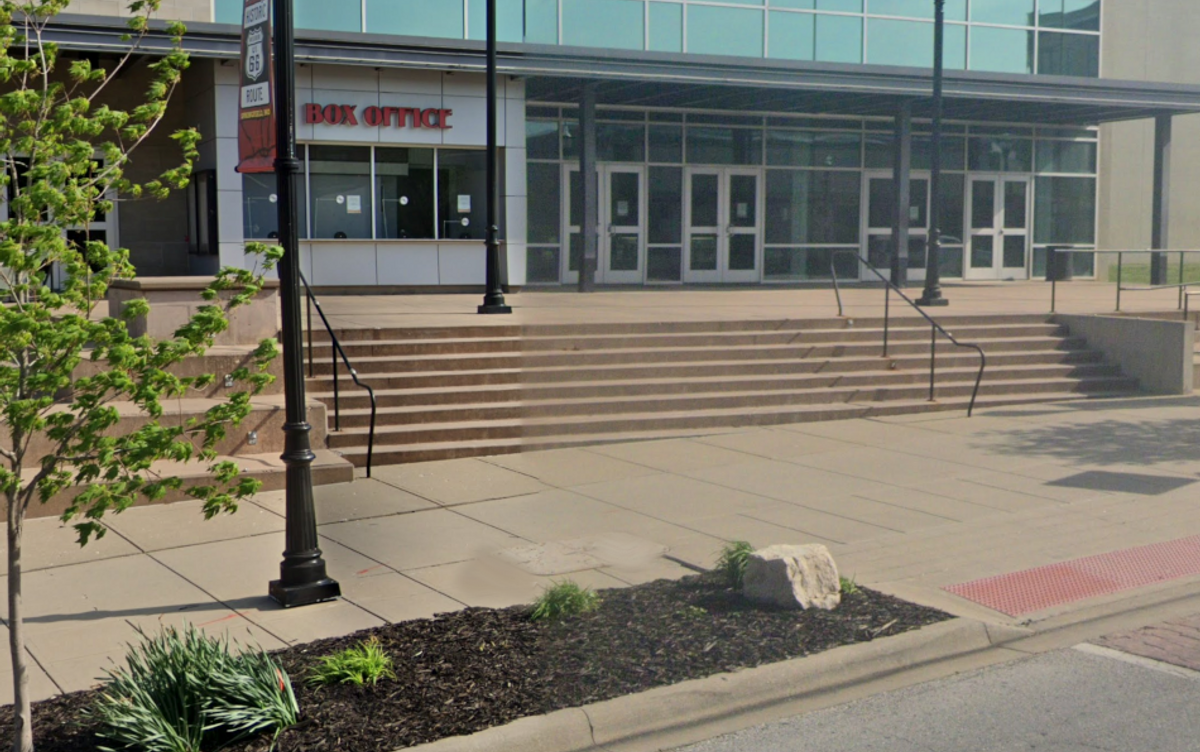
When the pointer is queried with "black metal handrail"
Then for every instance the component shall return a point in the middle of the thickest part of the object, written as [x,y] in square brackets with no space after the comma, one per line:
[935,327]
[336,351]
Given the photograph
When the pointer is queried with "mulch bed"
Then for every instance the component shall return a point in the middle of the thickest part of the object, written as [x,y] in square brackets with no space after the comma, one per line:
[462,672]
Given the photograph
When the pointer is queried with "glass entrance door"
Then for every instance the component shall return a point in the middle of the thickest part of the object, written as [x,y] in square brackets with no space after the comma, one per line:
[724,222]
[999,242]
[881,214]
[620,230]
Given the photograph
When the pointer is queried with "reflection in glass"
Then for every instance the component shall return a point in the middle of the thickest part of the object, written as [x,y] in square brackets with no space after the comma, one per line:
[953,190]
[620,142]
[544,221]
[807,207]
[1014,251]
[1064,210]
[1010,12]
[664,264]
[1001,50]
[743,200]
[798,264]
[462,194]
[510,20]
[705,208]
[666,27]
[666,205]
[956,10]
[724,146]
[1066,156]
[1069,54]
[1015,205]
[541,139]
[703,256]
[613,24]
[1080,15]
[741,253]
[623,253]
[982,252]
[541,265]
[625,204]
[404,190]
[1000,154]
[910,43]
[983,204]
[808,149]
[666,144]
[414,18]
[713,30]
[340,188]
[260,209]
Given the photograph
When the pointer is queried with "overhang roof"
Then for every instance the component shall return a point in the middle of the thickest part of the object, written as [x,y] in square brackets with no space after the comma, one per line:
[557,74]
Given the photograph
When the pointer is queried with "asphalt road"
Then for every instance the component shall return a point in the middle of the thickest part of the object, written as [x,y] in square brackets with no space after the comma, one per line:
[1065,701]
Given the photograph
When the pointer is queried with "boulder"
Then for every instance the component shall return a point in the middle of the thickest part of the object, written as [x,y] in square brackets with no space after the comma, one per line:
[793,577]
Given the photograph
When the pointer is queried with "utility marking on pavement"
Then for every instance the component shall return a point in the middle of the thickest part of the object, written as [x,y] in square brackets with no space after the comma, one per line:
[218,621]
[1019,593]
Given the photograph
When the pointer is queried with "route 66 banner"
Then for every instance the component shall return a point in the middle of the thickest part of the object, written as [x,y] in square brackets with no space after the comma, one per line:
[256,113]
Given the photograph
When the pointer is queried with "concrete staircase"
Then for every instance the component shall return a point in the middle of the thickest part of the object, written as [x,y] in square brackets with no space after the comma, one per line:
[468,391]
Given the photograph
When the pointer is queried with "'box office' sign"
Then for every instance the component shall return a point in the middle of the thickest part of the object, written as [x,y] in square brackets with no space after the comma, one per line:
[374,117]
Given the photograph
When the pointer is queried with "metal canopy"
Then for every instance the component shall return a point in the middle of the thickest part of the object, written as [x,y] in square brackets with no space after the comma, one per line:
[649,79]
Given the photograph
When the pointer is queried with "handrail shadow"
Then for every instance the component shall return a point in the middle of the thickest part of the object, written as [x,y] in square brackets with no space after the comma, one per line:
[935,327]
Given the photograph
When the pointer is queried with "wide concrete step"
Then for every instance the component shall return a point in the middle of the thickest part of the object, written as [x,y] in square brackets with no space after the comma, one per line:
[390,454]
[511,420]
[589,358]
[657,340]
[696,381]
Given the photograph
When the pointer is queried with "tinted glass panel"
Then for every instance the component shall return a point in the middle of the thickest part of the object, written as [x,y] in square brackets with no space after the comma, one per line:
[910,43]
[956,10]
[414,18]
[704,200]
[620,142]
[713,30]
[983,252]
[812,207]
[320,14]
[510,20]
[625,202]
[404,190]
[1015,205]
[1082,15]
[807,263]
[953,190]
[999,154]
[1001,50]
[1012,12]
[793,36]
[1064,210]
[983,204]
[340,189]
[541,139]
[541,21]
[462,194]
[541,264]
[545,214]
[666,27]
[666,143]
[848,6]
[623,253]
[1069,54]
[807,149]
[1066,156]
[729,146]
[1014,251]
[741,253]
[616,24]
[666,204]
[743,200]
[703,253]
[260,207]
[664,264]
[839,39]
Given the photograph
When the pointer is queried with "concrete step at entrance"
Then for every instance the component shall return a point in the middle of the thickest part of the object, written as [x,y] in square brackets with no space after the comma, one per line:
[437,450]
[355,401]
[467,422]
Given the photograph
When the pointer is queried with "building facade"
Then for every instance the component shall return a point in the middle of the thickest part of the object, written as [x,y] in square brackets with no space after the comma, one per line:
[733,141]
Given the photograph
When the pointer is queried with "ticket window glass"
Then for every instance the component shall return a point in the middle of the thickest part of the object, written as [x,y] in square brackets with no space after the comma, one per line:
[462,194]
[404,190]
[340,192]
[260,207]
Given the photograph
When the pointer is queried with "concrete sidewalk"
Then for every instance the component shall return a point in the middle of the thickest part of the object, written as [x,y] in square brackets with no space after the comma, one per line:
[907,505]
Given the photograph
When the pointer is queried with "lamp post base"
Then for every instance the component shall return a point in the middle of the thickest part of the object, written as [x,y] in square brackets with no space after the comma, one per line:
[304,594]
[932,302]
[494,308]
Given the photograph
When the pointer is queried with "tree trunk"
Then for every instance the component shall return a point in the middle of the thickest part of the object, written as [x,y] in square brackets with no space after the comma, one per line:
[22,713]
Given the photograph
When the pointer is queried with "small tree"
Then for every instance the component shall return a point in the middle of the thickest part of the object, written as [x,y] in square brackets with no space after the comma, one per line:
[63,155]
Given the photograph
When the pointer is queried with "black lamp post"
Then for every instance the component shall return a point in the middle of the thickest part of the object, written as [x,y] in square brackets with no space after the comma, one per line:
[932,294]
[493,298]
[302,573]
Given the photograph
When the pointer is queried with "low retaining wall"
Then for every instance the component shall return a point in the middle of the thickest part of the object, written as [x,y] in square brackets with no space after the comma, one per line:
[174,300]
[1157,353]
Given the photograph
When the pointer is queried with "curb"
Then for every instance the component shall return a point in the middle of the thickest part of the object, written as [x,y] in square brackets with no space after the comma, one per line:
[668,711]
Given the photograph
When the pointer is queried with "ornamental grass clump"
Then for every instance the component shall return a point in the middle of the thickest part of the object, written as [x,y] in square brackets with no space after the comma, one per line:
[732,562]
[564,599]
[365,663]
[186,692]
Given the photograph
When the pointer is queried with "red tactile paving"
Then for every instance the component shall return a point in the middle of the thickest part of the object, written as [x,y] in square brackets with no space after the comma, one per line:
[1032,590]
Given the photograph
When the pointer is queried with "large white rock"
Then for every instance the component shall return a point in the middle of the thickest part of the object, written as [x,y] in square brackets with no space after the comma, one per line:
[793,577]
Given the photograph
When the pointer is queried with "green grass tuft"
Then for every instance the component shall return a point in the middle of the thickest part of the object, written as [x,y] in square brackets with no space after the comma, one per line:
[849,586]
[564,599]
[365,663]
[732,562]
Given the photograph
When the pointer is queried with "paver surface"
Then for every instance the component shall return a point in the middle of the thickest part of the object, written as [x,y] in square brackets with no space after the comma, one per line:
[907,505]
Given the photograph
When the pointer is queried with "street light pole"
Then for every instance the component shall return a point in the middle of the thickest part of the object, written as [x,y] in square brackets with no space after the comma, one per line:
[493,298]
[932,294]
[302,573]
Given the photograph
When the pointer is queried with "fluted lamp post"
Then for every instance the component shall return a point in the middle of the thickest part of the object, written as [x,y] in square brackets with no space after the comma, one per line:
[493,298]
[302,578]
[932,294]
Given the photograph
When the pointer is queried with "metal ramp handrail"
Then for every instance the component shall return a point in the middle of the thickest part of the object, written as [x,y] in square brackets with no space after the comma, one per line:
[935,327]
[1181,286]
[336,351]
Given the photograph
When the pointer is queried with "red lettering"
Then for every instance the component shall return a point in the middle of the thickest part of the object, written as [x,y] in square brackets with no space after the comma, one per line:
[389,115]
[401,117]
[348,114]
[444,119]
[427,117]
[312,114]
[333,114]
[373,116]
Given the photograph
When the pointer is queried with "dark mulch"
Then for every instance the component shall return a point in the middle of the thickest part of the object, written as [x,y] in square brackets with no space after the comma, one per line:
[466,671]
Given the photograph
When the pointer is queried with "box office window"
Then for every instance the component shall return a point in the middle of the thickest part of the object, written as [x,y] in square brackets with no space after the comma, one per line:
[404,193]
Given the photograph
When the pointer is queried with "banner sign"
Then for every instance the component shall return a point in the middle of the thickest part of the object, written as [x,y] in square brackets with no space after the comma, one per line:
[256,112]
[374,117]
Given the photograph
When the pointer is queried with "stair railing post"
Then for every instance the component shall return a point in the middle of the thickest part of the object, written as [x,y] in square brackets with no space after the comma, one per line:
[932,358]
[311,365]
[887,316]
[337,401]
[1120,270]
[1181,295]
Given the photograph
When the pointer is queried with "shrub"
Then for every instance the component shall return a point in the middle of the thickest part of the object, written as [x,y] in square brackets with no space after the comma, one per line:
[564,599]
[365,663]
[184,692]
[732,562]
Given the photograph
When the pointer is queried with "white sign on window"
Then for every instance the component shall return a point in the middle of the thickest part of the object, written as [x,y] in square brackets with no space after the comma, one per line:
[464,203]
[354,204]
[743,210]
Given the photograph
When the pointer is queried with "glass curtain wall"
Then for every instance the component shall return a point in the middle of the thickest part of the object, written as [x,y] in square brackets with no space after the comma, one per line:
[814,171]
[1055,37]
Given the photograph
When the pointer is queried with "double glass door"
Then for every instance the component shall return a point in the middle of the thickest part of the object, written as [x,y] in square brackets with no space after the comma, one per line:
[999,242]
[621,223]
[723,218]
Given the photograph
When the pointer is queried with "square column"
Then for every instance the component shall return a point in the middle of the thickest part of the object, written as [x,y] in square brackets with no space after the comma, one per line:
[1160,211]
[902,192]
[589,188]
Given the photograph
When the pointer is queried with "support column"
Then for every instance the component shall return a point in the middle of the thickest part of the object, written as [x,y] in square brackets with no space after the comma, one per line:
[903,194]
[1161,206]
[589,188]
